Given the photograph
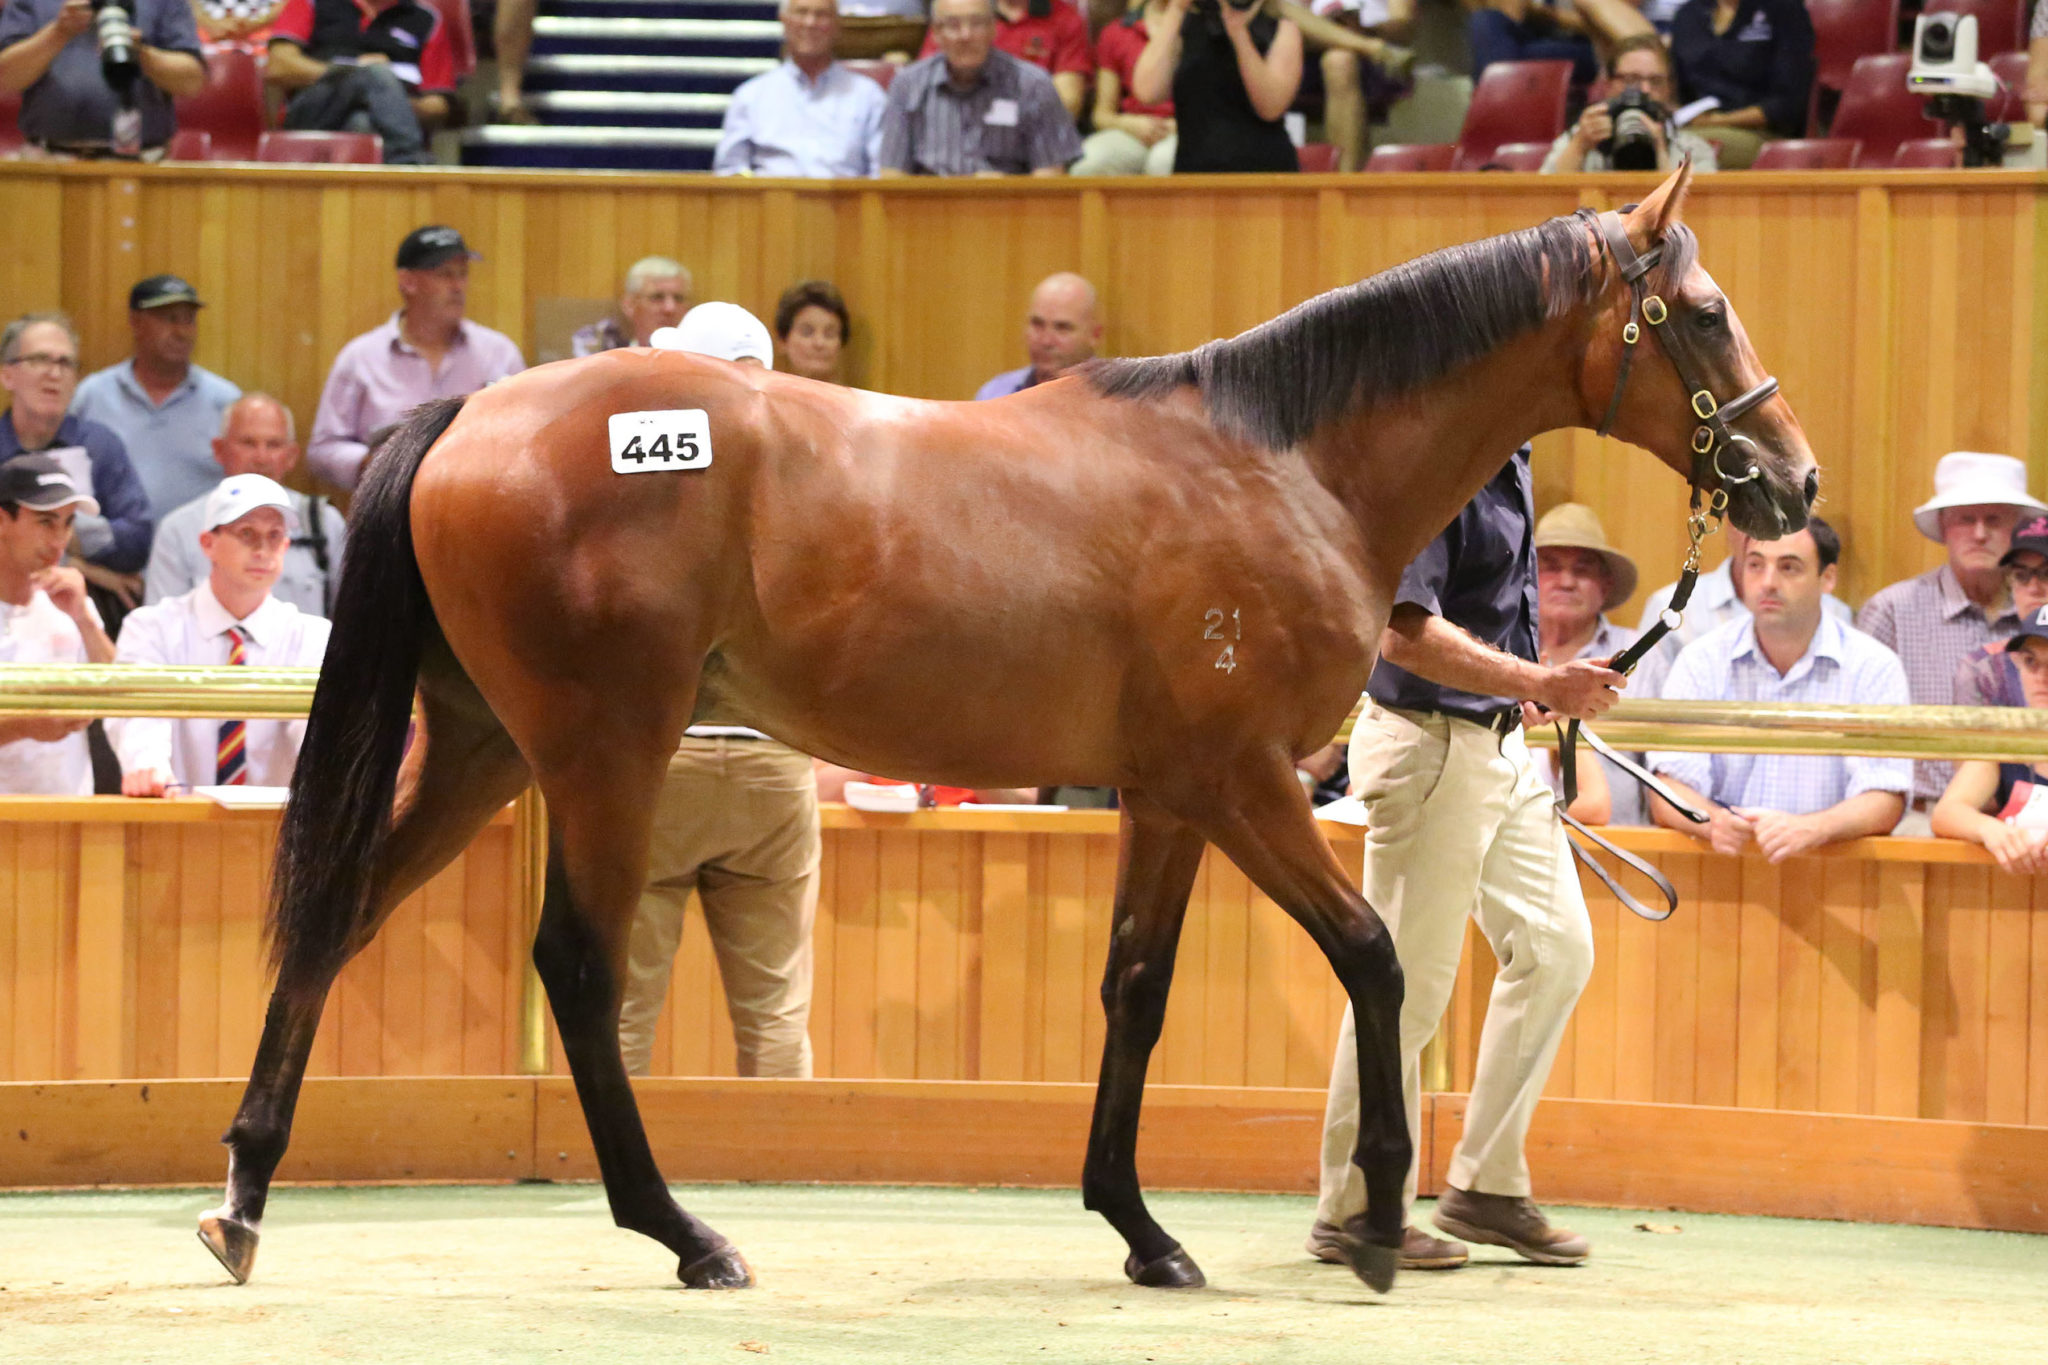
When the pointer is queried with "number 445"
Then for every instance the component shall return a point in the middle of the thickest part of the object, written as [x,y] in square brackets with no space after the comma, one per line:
[685,448]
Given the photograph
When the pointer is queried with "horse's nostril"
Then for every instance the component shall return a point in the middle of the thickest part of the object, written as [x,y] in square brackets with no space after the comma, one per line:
[1812,486]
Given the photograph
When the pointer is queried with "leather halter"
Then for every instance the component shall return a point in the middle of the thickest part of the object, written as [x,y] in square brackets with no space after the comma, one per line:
[1709,440]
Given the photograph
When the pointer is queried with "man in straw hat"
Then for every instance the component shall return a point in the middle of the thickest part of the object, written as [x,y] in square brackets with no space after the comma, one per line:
[1934,621]
[1579,579]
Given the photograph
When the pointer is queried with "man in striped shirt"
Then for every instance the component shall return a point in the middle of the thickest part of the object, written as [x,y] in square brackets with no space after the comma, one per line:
[972,110]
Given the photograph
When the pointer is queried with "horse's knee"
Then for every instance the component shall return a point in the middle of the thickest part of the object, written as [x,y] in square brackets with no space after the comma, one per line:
[1362,951]
[1135,995]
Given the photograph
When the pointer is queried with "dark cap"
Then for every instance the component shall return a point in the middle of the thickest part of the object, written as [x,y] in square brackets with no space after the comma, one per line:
[161,291]
[424,248]
[40,482]
[2035,627]
[2032,534]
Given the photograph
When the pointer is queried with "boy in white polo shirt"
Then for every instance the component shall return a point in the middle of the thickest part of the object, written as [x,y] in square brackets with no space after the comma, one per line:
[45,618]
[231,618]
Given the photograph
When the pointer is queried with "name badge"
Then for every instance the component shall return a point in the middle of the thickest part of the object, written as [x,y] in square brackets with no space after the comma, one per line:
[656,442]
[1001,114]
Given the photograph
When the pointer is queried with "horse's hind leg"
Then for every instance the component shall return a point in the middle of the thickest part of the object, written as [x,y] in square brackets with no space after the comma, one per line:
[460,770]
[1155,871]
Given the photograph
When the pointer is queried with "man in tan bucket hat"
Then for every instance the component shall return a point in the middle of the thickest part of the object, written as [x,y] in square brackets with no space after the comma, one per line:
[1579,579]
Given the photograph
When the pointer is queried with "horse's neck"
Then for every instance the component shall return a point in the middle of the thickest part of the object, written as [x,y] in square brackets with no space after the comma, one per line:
[1405,466]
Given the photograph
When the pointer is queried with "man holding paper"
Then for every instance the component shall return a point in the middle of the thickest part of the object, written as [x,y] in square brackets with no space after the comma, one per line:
[230,619]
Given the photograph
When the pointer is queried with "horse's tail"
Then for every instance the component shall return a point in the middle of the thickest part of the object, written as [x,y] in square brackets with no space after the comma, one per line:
[325,879]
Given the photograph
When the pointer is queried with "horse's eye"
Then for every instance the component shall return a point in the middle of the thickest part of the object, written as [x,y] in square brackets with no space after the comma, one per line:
[1709,319]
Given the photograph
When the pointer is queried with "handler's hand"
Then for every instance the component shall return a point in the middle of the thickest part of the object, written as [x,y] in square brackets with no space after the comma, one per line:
[1580,690]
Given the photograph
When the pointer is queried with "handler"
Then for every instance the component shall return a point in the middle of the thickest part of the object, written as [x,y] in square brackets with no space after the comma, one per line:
[1461,823]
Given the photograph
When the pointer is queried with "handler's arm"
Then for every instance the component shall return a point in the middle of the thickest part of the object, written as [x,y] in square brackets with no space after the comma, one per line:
[1424,643]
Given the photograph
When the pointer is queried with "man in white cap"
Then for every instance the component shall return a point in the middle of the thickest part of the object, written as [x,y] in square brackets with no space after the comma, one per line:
[231,618]
[45,618]
[1934,621]
[736,822]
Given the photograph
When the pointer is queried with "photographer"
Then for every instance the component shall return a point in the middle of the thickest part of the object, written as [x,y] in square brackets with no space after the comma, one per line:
[1631,129]
[99,82]
[1231,72]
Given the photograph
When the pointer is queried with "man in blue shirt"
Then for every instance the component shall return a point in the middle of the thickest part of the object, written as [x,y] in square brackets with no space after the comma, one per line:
[811,116]
[1461,823]
[165,409]
[1063,329]
[50,52]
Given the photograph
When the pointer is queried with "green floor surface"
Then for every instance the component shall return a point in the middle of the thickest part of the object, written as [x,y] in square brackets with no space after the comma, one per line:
[537,1272]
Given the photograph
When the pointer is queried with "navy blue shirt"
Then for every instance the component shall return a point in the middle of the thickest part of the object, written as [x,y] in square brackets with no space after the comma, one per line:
[118,538]
[71,102]
[1764,59]
[1480,575]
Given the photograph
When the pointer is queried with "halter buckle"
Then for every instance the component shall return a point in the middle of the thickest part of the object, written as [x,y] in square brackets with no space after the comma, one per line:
[1631,333]
[1702,440]
[1703,405]
[1654,311]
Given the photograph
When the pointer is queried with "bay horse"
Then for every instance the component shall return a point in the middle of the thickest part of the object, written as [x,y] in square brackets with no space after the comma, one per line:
[1166,575]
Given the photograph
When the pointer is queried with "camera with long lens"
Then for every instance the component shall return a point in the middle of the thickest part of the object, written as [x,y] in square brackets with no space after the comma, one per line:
[120,63]
[1946,70]
[1633,144]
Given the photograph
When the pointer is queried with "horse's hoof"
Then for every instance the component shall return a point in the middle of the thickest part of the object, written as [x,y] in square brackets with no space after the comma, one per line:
[724,1268]
[233,1244]
[1372,1261]
[1175,1270]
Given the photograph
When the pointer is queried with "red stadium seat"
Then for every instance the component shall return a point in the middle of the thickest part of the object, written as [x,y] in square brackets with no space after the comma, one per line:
[1411,156]
[10,123]
[461,34]
[1808,154]
[2001,24]
[1513,102]
[230,107]
[2011,104]
[1518,156]
[189,144]
[1317,158]
[1928,154]
[1844,30]
[1878,110]
[338,149]
[880,72]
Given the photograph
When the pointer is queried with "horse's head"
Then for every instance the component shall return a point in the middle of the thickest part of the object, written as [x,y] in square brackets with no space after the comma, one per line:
[1671,368]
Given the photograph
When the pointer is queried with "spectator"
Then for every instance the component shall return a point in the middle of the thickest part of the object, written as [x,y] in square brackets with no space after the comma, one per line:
[164,408]
[512,41]
[811,116]
[1754,58]
[736,822]
[2037,66]
[1789,651]
[1062,330]
[257,436]
[241,25]
[1131,137]
[365,66]
[231,618]
[47,619]
[1933,621]
[1231,73]
[657,294]
[2004,806]
[1580,578]
[39,367]
[971,110]
[812,324]
[1716,600]
[1530,31]
[1346,36]
[1052,35]
[1988,675]
[1639,64]
[427,350]
[49,53]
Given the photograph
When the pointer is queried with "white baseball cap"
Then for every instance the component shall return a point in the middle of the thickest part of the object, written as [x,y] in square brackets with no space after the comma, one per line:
[724,330]
[236,497]
[1970,478]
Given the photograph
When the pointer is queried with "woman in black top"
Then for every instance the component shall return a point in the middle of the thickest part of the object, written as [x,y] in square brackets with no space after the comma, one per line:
[1756,58]
[1231,74]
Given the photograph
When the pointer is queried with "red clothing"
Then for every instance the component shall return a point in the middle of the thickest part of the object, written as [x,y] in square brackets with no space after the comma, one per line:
[1055,44]
[408,33]
[1117,52]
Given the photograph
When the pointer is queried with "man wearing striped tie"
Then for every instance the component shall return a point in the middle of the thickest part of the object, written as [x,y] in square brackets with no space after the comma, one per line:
[233,619]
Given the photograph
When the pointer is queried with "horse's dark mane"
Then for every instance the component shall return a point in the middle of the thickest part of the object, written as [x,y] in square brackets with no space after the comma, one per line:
[1384,336]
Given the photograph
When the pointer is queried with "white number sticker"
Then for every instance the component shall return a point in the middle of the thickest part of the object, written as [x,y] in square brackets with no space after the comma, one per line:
[657,442]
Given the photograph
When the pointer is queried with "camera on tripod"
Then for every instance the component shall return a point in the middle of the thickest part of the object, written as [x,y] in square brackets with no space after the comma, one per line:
[114,28]
[1946,70]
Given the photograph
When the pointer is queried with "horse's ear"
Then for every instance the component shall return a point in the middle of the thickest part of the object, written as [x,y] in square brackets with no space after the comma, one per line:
[1658,212]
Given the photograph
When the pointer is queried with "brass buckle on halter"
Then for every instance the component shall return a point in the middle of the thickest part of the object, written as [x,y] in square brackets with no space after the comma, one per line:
[1703,405]
[1631,333]
[1654,311]
[1702,440]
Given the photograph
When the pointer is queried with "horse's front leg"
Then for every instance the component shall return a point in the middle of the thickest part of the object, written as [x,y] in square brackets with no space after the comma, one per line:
[1156,868]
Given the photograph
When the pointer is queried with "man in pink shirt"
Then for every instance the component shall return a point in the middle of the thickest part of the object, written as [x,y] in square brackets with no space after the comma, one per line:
[427,350]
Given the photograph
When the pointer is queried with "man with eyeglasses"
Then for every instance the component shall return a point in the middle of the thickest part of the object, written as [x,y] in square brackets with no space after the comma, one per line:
[1640,63]
[973,110]
[39,369]
[233,619]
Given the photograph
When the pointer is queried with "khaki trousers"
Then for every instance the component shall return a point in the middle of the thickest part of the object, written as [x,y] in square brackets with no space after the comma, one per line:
[1460,824]
[736,822]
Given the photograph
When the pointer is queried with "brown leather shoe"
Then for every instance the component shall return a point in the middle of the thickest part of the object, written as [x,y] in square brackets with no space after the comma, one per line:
[1508,1221]
[1419,1250]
